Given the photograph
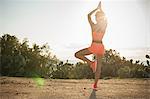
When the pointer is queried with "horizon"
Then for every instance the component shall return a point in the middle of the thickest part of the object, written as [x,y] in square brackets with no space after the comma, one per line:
[42,22]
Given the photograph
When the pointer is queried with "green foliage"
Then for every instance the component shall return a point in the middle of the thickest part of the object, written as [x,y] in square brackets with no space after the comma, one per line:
[124,72]
[18,59]
[62,70]
[82,70]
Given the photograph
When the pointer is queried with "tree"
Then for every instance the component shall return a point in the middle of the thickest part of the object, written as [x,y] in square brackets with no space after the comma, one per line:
[18,59]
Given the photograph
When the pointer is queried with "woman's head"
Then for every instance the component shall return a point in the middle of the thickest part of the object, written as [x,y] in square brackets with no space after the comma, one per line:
[99,14]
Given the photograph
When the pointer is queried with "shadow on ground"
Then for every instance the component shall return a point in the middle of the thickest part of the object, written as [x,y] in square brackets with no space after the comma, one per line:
[93,95]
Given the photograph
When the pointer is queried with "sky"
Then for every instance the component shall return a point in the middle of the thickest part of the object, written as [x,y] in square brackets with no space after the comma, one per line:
[63,24]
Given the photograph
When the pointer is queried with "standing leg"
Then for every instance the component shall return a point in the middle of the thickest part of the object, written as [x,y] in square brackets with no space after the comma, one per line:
[82,53]
[98,70]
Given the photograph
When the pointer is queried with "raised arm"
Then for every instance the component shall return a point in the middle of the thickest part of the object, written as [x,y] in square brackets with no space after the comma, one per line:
[99,5]
[92,12]
[89,17]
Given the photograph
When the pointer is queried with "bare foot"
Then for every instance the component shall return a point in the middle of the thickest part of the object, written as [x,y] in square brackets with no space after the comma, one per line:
[94,86]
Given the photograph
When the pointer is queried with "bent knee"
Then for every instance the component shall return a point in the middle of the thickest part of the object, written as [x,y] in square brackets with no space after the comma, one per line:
[77,55]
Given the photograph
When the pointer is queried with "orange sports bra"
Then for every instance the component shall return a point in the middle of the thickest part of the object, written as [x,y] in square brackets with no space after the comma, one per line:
[97,36]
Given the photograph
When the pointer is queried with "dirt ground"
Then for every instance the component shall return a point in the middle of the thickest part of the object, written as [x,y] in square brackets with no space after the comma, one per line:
[27,88]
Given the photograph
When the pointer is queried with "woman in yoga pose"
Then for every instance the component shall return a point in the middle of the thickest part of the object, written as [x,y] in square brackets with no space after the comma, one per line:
[97,47]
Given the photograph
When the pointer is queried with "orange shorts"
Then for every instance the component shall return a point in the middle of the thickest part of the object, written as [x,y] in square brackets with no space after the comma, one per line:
[97,48]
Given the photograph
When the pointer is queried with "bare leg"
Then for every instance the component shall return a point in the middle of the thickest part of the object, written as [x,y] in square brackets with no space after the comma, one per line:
[82,53]
[98,70]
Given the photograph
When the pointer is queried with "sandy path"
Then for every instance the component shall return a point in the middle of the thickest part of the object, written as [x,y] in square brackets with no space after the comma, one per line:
[26,88]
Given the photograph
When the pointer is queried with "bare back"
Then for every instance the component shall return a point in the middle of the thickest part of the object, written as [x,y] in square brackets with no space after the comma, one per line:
[100,26]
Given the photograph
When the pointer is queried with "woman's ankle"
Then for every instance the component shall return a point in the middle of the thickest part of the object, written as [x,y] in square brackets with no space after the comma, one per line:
[94,86]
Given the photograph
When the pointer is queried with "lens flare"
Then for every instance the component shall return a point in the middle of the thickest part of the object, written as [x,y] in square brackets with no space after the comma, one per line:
[39,81]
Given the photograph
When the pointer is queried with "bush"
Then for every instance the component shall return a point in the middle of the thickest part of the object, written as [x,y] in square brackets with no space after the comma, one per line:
[124,72]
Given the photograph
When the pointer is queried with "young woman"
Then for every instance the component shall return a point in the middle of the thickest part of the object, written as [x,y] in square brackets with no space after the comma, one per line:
[97,47]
